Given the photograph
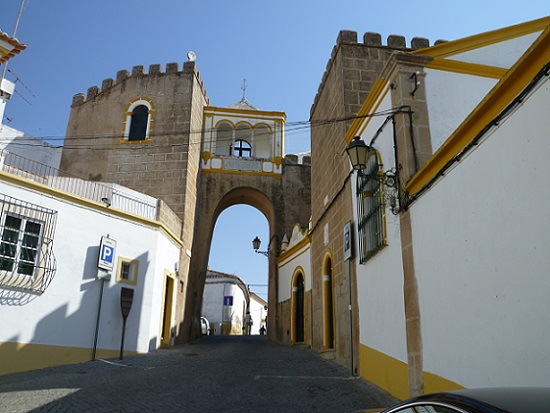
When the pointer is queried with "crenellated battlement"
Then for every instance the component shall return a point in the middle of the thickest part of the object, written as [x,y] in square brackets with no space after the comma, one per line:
[394,41]
[189,67]
[347,40]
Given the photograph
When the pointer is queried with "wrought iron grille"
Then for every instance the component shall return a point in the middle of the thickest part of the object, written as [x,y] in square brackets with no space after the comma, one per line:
[371,209]
[27,261]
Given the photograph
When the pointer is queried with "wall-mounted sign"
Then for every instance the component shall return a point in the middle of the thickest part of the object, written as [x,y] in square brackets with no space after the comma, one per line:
[228,300]
[107,250]
[347,242]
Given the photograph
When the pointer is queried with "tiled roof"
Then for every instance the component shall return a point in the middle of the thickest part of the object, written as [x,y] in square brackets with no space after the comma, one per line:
[16,47]
[243,104]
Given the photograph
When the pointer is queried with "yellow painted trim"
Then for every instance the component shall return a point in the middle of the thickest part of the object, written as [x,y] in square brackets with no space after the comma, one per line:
[4,51]
[255,113]
[232,172]
[294,250]
[87,203]
[278,160]
[21,357]
[434,383]
[467,68]
[206,156]
[391,374]
[127,142]
[370,106]
[517,78]
[484,39]
[388,373]
[135,268]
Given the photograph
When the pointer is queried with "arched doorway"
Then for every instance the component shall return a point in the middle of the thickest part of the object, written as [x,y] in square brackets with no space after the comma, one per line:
[328,303]
[298,308]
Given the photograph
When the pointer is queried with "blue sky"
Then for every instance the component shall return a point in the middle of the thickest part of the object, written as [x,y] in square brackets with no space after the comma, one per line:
[281,49]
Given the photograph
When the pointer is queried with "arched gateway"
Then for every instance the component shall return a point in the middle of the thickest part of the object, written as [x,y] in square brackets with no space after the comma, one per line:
[196,158]
[260,177]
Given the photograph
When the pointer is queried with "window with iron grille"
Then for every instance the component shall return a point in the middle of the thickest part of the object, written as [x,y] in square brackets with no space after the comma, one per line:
[19,244]
[370,210]
[26,245]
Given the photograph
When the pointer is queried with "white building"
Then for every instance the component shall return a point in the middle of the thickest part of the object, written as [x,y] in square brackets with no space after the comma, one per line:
[258,313]
[453,289]
[225,302]
[50,294]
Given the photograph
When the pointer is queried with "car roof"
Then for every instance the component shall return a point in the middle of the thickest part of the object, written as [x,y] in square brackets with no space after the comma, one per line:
[509,399]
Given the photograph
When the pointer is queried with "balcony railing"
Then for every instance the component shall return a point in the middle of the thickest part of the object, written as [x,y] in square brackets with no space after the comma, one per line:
[116,196]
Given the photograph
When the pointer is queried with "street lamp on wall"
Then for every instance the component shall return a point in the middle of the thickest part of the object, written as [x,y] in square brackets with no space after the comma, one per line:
[358,152]
[364,160]
[256,242]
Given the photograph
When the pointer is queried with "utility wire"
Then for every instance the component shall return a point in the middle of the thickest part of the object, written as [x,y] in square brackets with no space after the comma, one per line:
[291,128]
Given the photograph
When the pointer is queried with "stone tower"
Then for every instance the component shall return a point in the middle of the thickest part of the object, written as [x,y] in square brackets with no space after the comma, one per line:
[350,75]
[143,131]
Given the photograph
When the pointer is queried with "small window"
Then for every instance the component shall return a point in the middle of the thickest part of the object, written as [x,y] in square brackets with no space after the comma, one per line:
[242,149]
[127,271]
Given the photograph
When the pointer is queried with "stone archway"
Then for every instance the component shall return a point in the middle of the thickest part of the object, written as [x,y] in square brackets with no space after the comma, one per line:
[283,201]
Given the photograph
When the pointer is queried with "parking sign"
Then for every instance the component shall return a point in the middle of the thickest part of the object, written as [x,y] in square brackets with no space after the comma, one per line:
[107,250]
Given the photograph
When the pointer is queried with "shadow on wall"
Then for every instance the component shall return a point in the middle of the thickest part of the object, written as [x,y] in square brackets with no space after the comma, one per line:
[66,335]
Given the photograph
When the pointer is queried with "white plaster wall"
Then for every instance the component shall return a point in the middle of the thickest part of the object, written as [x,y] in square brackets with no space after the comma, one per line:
[380,279]
[166,258]
[212,303]
[481,239]
[213,308]
[302,258]
[451,97]
[258,314]
[504,54]
[19,143]
[65,314]
[239,305]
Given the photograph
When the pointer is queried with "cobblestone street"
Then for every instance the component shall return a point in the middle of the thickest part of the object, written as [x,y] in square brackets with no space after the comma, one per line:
[213,374]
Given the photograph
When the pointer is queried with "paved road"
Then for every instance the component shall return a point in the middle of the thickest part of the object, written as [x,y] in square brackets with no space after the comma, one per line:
[213,374]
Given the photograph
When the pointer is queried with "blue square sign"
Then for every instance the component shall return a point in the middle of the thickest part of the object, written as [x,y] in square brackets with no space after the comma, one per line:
[107,254]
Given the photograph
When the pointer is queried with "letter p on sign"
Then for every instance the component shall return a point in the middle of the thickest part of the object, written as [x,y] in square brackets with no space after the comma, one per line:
[107,254]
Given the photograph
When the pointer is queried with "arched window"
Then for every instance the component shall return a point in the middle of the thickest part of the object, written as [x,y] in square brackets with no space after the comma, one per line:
[138,121]
[138,124]
[242,149]
[223,139]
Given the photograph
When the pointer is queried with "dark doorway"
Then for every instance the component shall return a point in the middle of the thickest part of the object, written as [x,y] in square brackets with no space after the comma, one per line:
[299,310]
